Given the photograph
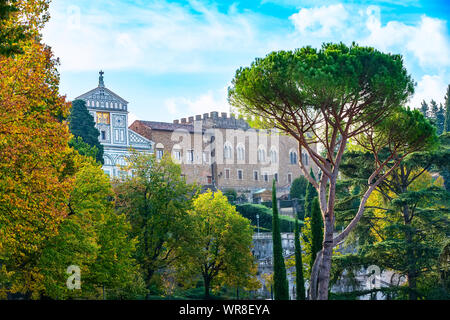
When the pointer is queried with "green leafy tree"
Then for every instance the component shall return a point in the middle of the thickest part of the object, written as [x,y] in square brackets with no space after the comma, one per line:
[298,188]
[83,148]
[311,193]
[447,111]
[299,280]
[440,119]
[424,108]
[81,124]
[406,222]
[316,229]
[281,288]
[261,215]
[332,96]
[155,200]
[222,242]
[94,238]
[14,27]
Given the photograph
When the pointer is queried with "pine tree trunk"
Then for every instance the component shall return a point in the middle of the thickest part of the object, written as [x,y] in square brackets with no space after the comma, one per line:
[325,266]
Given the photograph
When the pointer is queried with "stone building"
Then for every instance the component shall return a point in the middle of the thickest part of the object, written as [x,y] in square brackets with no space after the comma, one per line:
[263,253]
[223,152]
[110,113]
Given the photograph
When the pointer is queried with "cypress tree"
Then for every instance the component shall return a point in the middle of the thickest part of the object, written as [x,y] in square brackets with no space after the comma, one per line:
[447,111]
[299,281]
[316,229]
[440,119]
[82,124]
[280,284]
[424,108]
[311,192]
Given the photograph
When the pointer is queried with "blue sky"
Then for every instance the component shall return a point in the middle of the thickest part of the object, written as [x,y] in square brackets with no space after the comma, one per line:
[172,59]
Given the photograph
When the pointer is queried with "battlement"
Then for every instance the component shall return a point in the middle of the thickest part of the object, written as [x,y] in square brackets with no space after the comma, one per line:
[216,120]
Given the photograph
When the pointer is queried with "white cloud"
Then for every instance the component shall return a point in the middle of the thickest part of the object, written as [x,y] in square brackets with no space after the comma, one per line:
[427,41]
[430,87]
[320,21]
[204,103]
[155,37]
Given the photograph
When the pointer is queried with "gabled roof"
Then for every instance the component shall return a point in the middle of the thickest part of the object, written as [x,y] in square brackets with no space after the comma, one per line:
[97,90]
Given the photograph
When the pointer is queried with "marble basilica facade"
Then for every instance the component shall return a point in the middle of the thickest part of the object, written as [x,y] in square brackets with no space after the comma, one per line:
[110,113]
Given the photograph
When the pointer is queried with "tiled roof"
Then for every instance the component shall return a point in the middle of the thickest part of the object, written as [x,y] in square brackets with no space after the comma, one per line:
[167,126]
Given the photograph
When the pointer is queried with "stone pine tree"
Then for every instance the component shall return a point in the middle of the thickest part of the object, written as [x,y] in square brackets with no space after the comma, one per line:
[311,193]
[299,280]
[316,229]
[424,108]
[281,288]
[447,111]
[81,124]
[333,96]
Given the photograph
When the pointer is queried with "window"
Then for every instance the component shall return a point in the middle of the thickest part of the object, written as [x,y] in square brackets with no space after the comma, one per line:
[209,179]
[103,134]
[227,150]
[159,154]
[255,175]
[240,152]
[227,173]
[240,174]
[293,157]
[289,177]
[177,155]
[103,117]
[266,177]
[305,158]
[261,154]
[273,156]
[190,156]
[275,176]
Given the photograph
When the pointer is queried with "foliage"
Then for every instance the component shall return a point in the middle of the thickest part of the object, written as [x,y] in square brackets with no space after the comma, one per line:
[81,124]
[155,200]
[36,163]
[407,218]
[316,229]
[222,241]
[280,287]
[83,148]
[447,110]
[231,195]
[94,238]
[298,188]
[299,280]
[311,193]
[250,211]
[18,25]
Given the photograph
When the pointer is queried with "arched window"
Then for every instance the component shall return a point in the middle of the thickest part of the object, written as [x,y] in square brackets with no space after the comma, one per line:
[293,157]
[240,152]
[121,161]
[273,155]
[261,154]
[305,158]
[107,160]
[227,150]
